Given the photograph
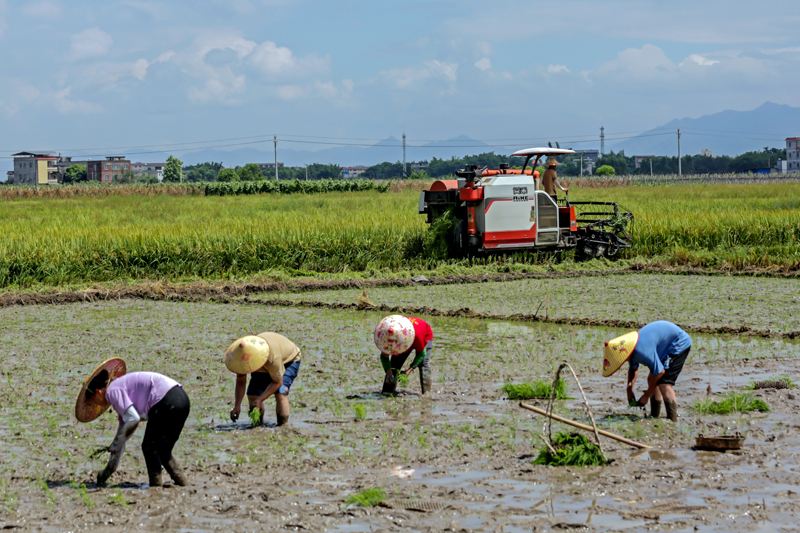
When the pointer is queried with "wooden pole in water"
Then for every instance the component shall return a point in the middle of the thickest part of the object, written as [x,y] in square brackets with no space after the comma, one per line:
[582,426]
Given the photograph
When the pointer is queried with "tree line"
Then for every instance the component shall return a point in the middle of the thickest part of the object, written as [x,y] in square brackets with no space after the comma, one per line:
[622,164]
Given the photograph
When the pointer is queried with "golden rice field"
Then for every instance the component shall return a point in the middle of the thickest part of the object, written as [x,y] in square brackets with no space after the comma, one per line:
[55,241]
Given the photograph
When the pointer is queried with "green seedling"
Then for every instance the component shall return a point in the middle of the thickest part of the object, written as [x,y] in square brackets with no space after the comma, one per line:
[51,498]
[402,380]
[255,417]
[538,389]
[733,402]
[572,449]
[118,499]
[83,494]
[361,411]
[366,498]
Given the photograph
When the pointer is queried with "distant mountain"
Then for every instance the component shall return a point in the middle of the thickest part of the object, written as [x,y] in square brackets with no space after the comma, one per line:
[724,133]
[390,149]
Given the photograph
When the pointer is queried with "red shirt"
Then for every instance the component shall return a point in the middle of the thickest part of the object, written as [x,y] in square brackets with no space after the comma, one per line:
[422,333]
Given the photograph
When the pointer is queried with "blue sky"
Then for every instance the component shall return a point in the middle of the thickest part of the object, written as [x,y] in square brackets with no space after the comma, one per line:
[120,74]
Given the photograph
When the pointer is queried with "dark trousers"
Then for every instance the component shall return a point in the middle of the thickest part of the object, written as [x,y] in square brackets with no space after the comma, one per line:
[164,426]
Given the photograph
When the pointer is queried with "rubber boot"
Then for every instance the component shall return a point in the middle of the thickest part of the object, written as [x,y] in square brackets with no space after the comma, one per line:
[389,385]
[672,409]
[655,408]
[176,472]
[424,379]
[155,479]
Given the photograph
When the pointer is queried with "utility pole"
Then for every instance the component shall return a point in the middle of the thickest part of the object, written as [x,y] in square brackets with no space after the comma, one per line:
[306,172]
[404,154]
[602,140]
[679,151]
[275,137]
[651,166]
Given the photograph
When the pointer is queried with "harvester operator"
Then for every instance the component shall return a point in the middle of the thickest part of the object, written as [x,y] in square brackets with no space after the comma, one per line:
[273,362]
[396,336]
[662,347]
[135,397]
[550,178]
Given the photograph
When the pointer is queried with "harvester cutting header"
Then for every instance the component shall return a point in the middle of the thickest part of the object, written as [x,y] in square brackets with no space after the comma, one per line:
[503,209]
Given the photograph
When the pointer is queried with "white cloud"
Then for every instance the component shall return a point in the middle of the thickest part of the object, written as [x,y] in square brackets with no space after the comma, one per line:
[702,61]
[448,70]
[348,84]
[554,69]
[484,64]
[326,89]
[63,104]
[92,42]
[406,77]
[290,92]
[44,8]
[645,62]
[139,69]
[780,51]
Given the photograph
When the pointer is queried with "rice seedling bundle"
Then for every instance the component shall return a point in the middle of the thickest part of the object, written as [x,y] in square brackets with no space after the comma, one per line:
[538,389]
[366,498]
[571,449]
[733,402]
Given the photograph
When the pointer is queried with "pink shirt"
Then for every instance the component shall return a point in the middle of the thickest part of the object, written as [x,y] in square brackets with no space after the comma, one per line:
[142,390]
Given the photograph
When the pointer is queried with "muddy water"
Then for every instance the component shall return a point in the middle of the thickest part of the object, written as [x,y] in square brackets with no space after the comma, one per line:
[466,452]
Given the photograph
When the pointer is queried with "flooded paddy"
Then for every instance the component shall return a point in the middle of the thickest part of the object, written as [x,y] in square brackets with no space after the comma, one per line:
[459,461]
[710,301]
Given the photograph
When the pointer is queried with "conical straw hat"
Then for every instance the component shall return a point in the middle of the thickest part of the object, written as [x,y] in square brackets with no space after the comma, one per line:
[86,409]
[246,355]
[618,351]
[394,335]
[553,162]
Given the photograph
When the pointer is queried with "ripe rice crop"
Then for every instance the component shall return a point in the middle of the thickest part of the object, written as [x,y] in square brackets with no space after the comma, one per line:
[294,186]
[93,239]
[95,190]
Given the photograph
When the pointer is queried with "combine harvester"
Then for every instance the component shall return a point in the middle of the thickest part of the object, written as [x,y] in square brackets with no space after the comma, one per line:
[500,210]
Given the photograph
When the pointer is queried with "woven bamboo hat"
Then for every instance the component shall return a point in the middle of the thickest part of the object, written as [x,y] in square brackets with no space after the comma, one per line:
[246,355]
[618,351]
[394,335]
[87,408]
[552,162]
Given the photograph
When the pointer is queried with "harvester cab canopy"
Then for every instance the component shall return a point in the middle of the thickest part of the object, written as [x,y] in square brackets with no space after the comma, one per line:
[538,153]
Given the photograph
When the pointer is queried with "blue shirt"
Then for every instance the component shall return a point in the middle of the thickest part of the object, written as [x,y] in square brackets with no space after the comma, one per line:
[657,342]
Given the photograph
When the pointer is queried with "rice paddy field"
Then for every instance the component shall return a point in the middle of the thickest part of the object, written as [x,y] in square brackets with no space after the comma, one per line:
[83,240]
[459,459]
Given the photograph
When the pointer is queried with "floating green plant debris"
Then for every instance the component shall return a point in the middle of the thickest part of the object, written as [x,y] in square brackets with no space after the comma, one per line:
[537,389]
[733,402]
[366,498]
[572,449]
[255,416]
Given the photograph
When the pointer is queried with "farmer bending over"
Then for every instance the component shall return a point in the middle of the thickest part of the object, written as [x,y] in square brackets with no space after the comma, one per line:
[135,397]
[660,346]
[395,336]
[273,362]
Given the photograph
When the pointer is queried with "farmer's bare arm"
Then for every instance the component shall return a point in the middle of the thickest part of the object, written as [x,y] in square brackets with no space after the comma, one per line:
[241,386]
[272,389]
[127,425]
[632,375]
[652,385]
